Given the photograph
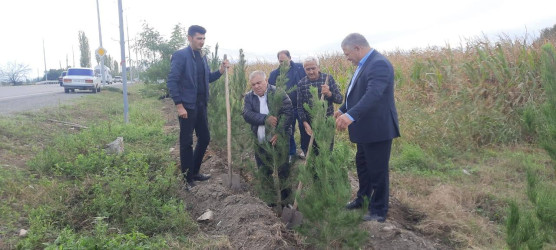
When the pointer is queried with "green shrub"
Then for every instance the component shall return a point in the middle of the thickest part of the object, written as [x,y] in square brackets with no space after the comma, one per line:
[533,228]
[154,90]
[103,238]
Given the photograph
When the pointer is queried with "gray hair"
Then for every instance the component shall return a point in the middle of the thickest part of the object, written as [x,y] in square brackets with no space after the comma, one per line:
[355,39]
[257,73]
[311,59]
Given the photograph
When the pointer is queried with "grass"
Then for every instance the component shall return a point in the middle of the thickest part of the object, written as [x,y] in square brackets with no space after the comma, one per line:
[68,192]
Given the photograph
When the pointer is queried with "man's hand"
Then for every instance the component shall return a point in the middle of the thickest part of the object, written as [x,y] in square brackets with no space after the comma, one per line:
[308,129]
[225,64]
[272,120]
[325,90]
[273,140]
[337,114]
[182,112]
[342,122]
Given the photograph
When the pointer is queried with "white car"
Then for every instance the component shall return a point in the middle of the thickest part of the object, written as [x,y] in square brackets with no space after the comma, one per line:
[81,78]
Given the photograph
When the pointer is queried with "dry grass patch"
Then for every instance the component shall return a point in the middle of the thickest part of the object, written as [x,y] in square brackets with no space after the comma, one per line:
[468,210]
[449,214]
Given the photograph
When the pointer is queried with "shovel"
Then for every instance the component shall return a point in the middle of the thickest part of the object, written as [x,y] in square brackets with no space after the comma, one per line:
[230,180]
[291,216]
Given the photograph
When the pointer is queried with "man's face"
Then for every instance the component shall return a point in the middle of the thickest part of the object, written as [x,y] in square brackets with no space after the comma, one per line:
[312,70]
[283,58]
[196,41]
[258,85]
[352,54]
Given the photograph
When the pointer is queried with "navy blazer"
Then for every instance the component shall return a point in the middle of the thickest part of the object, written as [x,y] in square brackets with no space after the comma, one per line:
[371,102]
[182,79]
[294,75]
[251,110]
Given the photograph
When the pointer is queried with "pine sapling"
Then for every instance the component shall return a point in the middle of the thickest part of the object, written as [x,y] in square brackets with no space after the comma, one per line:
[326,187]
[272,177]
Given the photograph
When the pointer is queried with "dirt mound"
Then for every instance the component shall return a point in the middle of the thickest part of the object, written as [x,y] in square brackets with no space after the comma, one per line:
[246,220]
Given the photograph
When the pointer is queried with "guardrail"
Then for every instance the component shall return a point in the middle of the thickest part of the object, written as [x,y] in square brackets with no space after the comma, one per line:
[47,82]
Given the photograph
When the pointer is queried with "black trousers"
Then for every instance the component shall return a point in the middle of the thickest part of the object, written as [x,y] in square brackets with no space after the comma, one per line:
[196,121]
[262,157]
[372,160]
[306,138]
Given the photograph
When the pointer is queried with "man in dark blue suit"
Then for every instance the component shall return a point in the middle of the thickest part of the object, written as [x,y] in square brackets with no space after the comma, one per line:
[188,84]
[369,113]
[294,75]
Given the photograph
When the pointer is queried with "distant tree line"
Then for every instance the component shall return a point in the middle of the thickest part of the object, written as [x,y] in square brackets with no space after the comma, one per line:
[155,51]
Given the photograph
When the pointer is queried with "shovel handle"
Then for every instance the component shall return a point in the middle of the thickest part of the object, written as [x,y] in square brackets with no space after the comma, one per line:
[229,126]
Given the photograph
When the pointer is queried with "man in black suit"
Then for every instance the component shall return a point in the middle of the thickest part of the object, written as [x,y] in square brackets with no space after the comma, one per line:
[188,84]
[369,113]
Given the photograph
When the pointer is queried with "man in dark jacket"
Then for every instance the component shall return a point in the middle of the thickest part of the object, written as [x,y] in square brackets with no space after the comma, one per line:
[369,113]
[294,75]
[188,84]
[257,106]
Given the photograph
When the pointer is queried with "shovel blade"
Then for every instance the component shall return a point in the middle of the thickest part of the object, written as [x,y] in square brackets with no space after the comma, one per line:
[296,220]
[287,215]
[234,183]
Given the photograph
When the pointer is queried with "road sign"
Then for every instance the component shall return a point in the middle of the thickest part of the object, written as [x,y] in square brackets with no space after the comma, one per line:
[100,51]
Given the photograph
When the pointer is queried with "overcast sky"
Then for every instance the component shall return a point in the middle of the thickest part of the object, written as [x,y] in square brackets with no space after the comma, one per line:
[261,28]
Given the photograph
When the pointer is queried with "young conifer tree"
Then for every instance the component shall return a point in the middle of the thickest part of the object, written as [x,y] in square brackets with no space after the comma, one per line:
[241,133]
[326,188]
[216,108]
[548,72]
[271,179]
[535,228]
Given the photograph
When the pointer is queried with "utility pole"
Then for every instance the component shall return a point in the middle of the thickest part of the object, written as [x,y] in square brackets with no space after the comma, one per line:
[44,54]
[100,41]
[73,54]
[136,56]
[129,51]
[122,49]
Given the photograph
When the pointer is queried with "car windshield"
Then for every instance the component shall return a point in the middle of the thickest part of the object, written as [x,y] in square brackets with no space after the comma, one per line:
[80,72]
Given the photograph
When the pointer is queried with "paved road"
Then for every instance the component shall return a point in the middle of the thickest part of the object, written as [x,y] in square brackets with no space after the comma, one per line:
[14,99]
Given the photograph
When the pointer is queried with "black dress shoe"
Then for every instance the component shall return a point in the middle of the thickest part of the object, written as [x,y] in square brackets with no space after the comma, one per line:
[189,185]
[354,204]
[374,217]
[200,177]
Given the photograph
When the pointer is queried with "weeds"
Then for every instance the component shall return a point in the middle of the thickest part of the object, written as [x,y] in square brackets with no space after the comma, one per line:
[135,193]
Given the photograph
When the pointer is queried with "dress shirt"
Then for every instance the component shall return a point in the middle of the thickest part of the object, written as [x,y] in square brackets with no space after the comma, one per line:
[263,107]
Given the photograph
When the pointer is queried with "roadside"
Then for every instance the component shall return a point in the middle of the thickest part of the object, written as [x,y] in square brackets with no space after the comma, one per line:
[15,99]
